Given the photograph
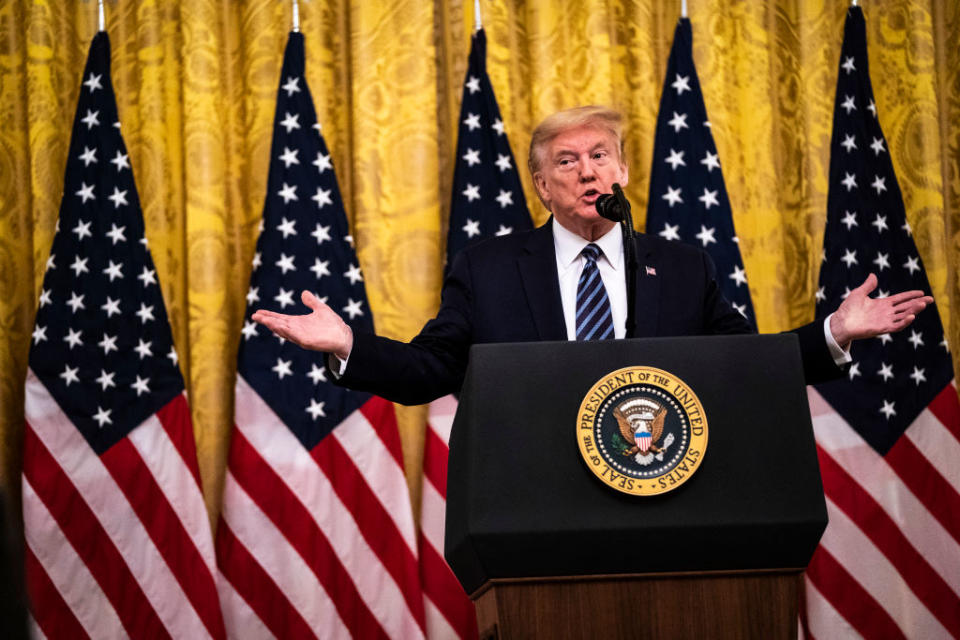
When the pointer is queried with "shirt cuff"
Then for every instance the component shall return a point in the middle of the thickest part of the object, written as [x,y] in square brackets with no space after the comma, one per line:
[337,367]
[840,356]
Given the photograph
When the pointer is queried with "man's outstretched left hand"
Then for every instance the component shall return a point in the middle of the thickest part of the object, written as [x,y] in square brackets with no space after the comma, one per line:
[860,316]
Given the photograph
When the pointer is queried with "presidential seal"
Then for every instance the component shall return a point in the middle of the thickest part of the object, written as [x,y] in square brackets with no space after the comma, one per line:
[642,431]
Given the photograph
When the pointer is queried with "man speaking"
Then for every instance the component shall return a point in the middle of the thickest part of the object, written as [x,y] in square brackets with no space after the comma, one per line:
[564,281]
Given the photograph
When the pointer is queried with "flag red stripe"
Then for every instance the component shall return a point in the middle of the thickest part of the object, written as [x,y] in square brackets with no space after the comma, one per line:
[175,418]
[442,587]
[293,520]
[874,522]
[937,495]
[124,463]
[89,539]
[381,416]
[375,524]
[256,587]
[435,454]
[849,598]
[55,618]
[946,407]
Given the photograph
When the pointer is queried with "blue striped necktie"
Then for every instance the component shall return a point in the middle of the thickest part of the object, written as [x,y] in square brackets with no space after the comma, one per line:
[594,320]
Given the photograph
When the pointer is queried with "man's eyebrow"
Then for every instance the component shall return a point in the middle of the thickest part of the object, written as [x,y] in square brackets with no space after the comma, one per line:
[572,152]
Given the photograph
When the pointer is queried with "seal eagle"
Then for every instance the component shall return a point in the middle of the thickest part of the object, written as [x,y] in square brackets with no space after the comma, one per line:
[627,429]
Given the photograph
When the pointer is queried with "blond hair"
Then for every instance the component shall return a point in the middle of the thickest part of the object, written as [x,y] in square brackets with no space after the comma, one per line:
[597,116]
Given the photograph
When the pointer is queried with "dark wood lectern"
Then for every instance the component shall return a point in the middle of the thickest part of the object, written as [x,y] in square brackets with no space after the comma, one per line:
[546,550]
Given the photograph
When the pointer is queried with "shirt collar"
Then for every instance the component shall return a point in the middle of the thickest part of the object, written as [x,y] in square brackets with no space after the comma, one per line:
[568,245]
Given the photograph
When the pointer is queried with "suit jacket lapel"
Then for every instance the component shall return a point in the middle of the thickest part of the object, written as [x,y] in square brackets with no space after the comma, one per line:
[648,288]
[538,270]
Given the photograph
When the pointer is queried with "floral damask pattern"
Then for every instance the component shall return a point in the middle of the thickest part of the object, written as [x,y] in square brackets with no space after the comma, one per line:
[196,83]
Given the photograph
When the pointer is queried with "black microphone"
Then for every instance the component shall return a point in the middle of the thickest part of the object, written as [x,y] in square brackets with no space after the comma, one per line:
[611,205]
[608,207]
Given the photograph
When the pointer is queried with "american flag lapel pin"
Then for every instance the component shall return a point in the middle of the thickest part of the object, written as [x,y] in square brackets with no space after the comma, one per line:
[651,271]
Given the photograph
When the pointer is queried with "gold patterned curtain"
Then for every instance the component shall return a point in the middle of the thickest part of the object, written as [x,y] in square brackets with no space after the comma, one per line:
[196,82]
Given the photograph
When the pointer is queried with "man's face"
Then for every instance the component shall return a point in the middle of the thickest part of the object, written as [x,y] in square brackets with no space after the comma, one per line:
[578,166]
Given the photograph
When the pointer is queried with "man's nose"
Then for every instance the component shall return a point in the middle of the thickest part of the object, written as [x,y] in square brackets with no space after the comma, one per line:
[587,171]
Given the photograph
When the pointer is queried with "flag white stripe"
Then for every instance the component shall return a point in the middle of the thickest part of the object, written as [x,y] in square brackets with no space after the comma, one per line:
[937,445]
[111,508]
[66,570]
[298,583]
[33,629]
[299,471]
[442,412]
[876,478]
[437,626]
[823,620]
[241,621]
[870,567]
[176,481]
[432,516]
[382,474]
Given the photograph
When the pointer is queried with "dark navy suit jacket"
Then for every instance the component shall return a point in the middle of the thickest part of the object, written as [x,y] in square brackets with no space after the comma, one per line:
[506,289]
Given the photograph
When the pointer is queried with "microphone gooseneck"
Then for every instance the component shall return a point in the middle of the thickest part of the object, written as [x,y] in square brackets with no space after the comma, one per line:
[615,207]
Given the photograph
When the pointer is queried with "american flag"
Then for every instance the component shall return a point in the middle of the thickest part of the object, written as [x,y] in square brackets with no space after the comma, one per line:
[688,199]
[487,201]
[487,197]
[117,535]
[888,437]
[316,536]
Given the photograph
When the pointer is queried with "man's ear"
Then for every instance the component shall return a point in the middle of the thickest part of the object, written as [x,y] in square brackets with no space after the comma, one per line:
[541,186]
[625,174]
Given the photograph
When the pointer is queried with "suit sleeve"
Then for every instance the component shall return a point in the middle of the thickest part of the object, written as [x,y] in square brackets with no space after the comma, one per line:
[431,365]
[818,364]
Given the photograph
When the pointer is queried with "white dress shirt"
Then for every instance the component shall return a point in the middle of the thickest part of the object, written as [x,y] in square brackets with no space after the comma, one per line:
[570,262]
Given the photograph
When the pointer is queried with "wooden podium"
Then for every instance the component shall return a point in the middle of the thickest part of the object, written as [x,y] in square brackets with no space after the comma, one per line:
[546,550]
[735,605]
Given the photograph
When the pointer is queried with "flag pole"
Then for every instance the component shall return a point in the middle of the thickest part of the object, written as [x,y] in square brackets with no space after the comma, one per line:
[100,20]
[853,3]
[296,16]
[683,8]
[477,18]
